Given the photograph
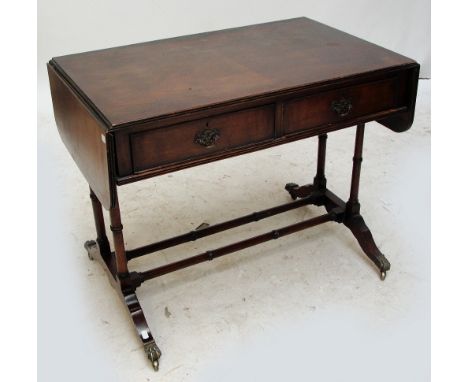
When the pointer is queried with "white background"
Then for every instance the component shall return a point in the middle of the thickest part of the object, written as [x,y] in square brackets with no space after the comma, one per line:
[70,27]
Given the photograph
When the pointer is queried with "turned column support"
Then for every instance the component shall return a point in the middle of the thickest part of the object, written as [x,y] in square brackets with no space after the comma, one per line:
[320,182]
[353,206]
[101,239]
[119,245]
[353,220]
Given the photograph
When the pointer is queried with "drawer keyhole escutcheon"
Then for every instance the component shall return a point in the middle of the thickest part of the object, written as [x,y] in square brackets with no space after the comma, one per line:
[342,107]
[207,137]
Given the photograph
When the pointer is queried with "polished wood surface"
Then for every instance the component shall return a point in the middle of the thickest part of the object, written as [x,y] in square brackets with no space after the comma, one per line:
[171,76]
[84,135]
[365,99]
[134,112]
[156,147]
[256,86]
[175,143]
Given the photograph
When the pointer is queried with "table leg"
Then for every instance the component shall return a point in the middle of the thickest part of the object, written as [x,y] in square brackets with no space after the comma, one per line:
[128,287]
[136,312]
[320,182]
[119,245]
[353,220]
[102,241]
[124,282]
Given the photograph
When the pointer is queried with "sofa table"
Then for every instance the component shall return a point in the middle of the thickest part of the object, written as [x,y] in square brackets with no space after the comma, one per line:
[138,111]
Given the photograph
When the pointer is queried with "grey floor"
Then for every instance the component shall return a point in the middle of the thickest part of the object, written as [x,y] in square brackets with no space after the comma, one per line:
[309,306]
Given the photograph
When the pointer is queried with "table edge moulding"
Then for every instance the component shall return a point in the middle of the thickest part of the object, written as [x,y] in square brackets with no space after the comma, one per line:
[130,113]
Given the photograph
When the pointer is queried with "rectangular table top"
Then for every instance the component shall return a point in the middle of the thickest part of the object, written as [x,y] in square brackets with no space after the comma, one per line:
[161,78]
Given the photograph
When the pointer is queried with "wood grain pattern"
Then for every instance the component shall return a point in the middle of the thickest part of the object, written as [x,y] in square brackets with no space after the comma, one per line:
[175,84]
[297,115]
[315,110]
[134,112]
[176,75]
[175,143]
[84,135]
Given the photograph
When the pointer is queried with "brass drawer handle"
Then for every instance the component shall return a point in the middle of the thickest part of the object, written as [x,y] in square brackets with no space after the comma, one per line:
[207,137]
[342,107]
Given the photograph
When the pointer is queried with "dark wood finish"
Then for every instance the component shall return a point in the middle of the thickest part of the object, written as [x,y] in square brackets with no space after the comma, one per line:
[139,320]
[122,283]
[211,230]
[400,122]
[129,299]
[119,245]
[321,108]
[166,77]
[362,233]
[84,135]
[351,218]
[308,116]
[101,239]
[353,202]
[138,111]
[320,181]
[177,84]
[175,143]
[213,254]
[124,174]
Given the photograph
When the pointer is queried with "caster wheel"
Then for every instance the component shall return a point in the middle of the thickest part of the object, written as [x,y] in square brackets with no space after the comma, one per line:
[383,275]
[153,353]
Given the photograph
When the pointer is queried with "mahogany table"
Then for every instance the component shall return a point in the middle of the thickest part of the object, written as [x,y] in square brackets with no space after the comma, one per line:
[138,111]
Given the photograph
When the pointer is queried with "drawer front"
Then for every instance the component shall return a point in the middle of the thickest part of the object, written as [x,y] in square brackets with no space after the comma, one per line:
[203,137]
[341,105]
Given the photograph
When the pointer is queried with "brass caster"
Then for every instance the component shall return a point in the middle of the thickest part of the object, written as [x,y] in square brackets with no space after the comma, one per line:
[90,246]
[153,353]
[383,275]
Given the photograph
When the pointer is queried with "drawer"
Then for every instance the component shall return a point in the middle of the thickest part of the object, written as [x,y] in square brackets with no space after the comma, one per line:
[341,105]
[202,137]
